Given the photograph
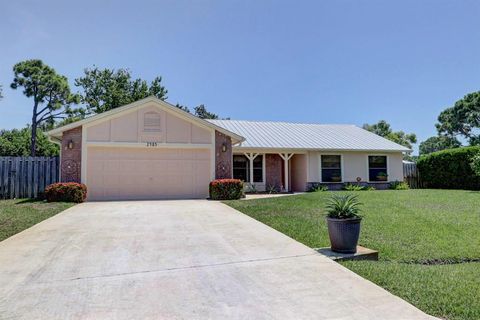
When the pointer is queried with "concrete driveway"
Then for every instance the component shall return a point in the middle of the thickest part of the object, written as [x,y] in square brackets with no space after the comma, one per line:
[190,259]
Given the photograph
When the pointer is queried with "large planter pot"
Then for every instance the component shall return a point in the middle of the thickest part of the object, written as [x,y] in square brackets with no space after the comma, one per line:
[344,234]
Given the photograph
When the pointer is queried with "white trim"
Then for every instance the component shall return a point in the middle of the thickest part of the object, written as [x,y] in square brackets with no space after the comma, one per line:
[213,156]
[286,158]
[84,156]
[368,167]
[264,175]
[159,145]
[342,167]
[305,150]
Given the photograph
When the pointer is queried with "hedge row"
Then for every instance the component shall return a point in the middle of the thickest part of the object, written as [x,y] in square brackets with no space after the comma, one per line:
[449,169]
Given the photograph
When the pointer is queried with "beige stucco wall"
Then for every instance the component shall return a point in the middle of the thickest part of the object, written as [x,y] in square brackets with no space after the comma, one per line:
[355,164]
[298,174]
[130,128]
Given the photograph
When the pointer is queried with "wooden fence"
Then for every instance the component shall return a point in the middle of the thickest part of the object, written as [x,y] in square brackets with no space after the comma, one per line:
[26,177]
[411,175]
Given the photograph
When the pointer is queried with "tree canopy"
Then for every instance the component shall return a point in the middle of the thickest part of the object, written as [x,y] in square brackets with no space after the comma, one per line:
[202,113]
[106,89]
[438,143]
[16,143]
[383,129]
[50,92]
[1,92]
[462,119]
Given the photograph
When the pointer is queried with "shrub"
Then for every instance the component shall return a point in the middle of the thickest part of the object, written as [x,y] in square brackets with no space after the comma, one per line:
[66,192]
[272,189]
[353,187]
[399,185]
[226,189]
[318,188]
[476,163]
[343,206]
[357,187]
[449,169]
[252,188]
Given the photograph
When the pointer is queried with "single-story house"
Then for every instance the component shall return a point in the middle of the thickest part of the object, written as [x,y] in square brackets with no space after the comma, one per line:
[150,149]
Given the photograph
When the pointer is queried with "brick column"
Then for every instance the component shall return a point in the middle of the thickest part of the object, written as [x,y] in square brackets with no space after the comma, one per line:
[273,171]
[223,160]
[71,165]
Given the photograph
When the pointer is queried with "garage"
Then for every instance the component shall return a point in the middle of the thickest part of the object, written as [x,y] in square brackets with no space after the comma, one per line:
[141,173]
[146,150]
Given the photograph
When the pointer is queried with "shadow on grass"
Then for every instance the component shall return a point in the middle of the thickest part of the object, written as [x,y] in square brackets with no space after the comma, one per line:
[25,201]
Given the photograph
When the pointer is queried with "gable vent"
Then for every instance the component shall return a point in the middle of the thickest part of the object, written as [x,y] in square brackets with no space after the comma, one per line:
[151,122]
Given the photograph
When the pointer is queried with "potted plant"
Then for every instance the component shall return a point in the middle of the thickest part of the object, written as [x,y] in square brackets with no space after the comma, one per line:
[343,222]
[382,176]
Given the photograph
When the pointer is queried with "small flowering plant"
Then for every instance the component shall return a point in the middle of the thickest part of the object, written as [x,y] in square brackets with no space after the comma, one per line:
[226,189]
[66,192]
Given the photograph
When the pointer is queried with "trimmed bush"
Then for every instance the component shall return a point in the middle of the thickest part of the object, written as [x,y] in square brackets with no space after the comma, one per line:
[66,192]
[399,185]
[226,189]
[449,169]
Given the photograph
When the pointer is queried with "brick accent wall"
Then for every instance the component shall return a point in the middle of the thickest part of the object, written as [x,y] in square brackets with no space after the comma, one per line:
[223,160]
[273,171]
[71,159]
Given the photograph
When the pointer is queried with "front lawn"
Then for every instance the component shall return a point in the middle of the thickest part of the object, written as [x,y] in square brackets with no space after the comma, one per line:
[429,242]
[18,215]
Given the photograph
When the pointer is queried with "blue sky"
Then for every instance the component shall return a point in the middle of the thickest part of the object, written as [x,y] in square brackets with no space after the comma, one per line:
[303,61]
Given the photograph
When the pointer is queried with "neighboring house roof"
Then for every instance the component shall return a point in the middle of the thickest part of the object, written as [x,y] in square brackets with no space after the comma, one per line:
[285,135]
[57,132]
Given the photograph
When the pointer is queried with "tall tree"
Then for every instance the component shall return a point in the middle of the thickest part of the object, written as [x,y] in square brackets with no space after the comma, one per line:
[50,92]
[463,119]
[383,129]
[106,89]
[438,143]
[202,113]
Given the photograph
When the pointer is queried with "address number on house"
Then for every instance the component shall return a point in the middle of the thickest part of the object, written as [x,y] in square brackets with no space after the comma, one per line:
[152,144]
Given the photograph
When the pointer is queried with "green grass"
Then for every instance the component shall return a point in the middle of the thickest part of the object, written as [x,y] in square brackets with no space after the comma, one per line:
[424,238]
[18,215]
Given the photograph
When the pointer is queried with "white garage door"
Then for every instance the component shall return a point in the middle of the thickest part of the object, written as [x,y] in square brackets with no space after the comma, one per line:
[138,173]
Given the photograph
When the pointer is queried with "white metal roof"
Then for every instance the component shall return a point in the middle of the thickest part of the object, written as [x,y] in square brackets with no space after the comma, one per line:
[284,135]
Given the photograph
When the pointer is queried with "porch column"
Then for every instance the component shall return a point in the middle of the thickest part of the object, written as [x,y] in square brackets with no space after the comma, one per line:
[251,157]
[286,157]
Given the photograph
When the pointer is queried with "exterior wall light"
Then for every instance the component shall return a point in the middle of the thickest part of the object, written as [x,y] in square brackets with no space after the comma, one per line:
[224,147]
[70,144]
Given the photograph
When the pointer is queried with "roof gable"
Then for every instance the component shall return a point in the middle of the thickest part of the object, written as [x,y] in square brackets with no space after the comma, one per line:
[105,116]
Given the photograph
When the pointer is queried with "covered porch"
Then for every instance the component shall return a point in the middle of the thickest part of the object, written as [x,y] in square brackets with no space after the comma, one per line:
[271,171]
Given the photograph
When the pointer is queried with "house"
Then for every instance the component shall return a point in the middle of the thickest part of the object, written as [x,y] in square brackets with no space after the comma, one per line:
[150,149]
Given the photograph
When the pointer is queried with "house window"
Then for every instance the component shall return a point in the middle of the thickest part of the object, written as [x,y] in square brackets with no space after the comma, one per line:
[241,168]
[151,122]
[331,168]
[377,168]
[258,169]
